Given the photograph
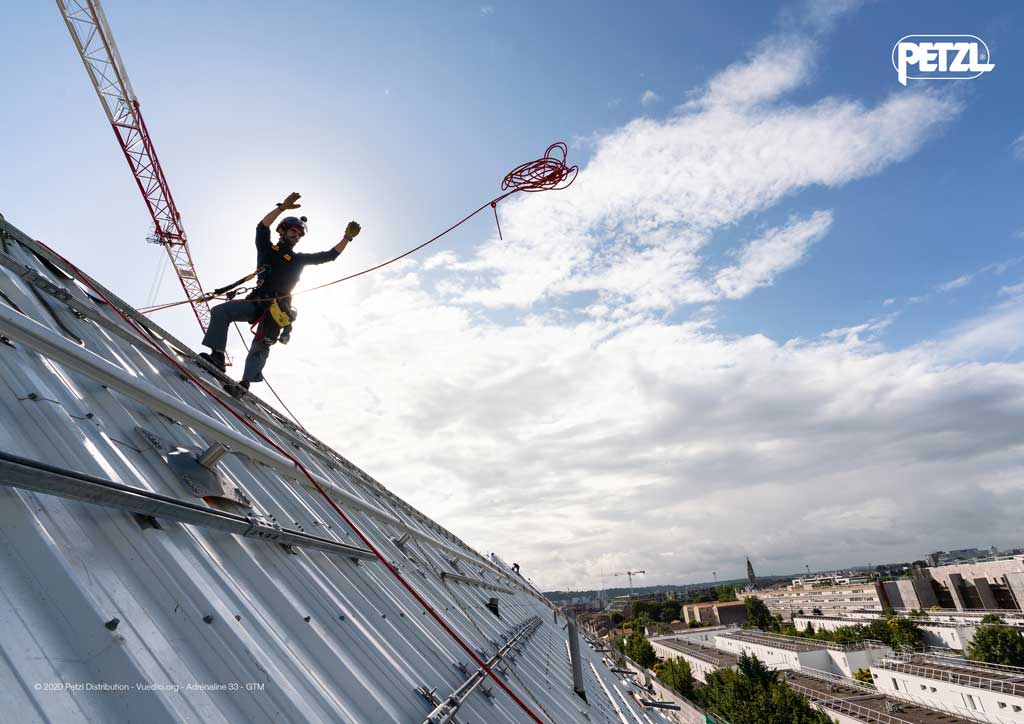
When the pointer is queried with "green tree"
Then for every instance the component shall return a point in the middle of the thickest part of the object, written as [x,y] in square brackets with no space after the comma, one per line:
[756,670]
[864,676]
[752,694]
[997,644]
[904,634]
[669,611]
[726,593]
[616,618]
[640,650]
[991,618]
[641,622]
[677,675]
[758,615]
[644,608]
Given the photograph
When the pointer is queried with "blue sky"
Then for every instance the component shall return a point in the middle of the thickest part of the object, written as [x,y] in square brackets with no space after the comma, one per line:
[778,211]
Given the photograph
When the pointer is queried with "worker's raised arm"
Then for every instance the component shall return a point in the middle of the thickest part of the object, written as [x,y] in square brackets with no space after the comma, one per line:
[351,231]
[288,203]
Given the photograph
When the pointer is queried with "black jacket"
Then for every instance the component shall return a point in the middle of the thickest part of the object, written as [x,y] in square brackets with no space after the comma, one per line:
[284,266]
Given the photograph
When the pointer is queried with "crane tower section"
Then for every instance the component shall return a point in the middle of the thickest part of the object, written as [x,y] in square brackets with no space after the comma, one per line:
[95,43]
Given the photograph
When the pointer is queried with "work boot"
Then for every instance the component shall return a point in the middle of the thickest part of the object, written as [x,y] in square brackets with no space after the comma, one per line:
[239,390]
[215,359]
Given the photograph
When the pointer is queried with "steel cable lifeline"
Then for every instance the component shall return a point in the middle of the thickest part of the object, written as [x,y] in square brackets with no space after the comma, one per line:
[548,173]
[144,335]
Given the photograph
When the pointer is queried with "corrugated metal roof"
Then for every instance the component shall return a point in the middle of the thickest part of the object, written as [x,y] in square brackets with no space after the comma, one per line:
[105,617]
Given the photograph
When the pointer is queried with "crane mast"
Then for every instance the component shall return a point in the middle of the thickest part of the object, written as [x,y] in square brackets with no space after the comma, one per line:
[630,574]
[95,43]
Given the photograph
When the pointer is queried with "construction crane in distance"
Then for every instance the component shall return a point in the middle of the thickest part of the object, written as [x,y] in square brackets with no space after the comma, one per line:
[630,574]
[95,44]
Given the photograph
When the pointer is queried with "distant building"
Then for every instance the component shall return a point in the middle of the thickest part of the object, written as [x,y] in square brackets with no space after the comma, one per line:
[994,584]
[751,578]
[620,634]
[622,603]
[940,634]
[832,579]
[822,595]
[942,558]
[599,625]
[618,604]
[788,652]
[715,613]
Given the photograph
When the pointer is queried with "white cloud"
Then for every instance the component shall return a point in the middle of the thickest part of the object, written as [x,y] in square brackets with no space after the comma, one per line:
[442,258]
[775,251]
[565,445]
[600,436]
[781,64]
[649,98]
[961,281]
[1018,147]
[1000,330]
[965,279]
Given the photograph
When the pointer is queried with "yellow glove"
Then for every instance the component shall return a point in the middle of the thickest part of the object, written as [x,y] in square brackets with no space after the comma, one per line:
[289,201]
[352,230]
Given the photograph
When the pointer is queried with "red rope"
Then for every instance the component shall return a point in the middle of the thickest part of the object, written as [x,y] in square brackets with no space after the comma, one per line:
[348,521]
[548,173]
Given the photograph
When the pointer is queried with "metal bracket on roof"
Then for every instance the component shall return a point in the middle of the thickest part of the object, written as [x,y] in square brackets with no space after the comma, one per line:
[34,278]
[197,469]
[429,695]
[261,526]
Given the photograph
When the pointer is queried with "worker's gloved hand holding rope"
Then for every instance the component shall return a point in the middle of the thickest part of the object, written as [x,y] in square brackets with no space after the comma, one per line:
[352,230]
[289,201]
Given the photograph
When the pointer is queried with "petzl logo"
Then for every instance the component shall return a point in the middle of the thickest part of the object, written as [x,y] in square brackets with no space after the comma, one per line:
[940,57]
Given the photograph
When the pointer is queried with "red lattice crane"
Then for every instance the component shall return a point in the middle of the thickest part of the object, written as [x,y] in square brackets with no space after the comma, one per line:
[95,44]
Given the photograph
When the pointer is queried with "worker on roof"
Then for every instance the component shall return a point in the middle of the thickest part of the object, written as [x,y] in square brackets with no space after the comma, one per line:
[268,307]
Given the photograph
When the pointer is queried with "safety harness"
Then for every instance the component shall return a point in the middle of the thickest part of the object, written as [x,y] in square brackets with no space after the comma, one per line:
[274,323]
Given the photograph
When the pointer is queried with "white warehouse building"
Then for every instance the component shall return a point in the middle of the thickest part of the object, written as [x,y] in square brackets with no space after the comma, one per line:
[986,692]
[795,654]
[703,659]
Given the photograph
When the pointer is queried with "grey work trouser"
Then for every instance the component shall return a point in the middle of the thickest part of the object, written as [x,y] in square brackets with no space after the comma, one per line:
[216,337]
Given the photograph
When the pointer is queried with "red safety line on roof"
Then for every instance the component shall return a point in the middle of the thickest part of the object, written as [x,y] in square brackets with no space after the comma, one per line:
[373,549]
